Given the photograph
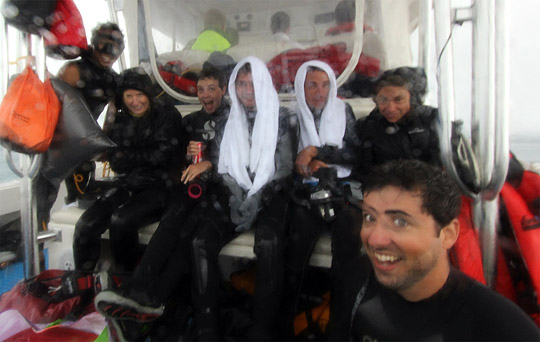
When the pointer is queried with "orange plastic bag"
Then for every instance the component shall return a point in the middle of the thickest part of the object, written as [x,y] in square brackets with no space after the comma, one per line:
[28,114]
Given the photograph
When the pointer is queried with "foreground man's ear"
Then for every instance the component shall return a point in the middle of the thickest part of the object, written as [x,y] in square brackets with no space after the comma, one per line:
[450,234]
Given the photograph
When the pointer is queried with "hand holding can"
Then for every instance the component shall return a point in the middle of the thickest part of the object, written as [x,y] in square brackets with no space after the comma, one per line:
[198,157]
[194,148]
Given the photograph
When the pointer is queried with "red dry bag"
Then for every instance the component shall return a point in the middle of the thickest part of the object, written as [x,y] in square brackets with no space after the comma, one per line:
[66,37]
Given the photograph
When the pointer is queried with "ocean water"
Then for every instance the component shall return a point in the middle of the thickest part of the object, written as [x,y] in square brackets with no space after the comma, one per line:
[526,148]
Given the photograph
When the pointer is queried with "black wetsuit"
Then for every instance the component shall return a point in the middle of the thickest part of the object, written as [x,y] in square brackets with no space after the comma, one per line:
[146,161]
[214,228]
[201,126]
[463,310]
[166,259]
[306,226]
[412,137]
[97,85]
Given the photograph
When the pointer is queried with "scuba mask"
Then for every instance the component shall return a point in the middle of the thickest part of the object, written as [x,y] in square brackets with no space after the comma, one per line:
[108,43]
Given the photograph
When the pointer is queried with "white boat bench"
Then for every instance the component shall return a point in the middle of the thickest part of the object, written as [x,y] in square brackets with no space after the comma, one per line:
[64,220]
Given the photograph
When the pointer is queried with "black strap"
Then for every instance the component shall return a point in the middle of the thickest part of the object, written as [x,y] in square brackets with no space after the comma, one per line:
[361,294]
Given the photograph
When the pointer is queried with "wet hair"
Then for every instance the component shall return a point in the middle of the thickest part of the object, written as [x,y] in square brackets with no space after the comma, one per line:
[223,63]
[210,71]
[313,68]
[412,79]
[393,80]
[345,12]
[244,69]
[441,197]
[280,22]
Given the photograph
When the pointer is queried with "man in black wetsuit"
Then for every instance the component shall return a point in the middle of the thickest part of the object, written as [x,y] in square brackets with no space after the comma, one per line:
[256,163]
[201,126]
[327,143]
[93,76]
[399,127]
[403,287]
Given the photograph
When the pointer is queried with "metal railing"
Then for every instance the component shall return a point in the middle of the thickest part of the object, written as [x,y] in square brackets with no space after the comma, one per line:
[489,118]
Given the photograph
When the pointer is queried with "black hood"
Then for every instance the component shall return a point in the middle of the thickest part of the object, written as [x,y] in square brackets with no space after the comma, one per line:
[134,78]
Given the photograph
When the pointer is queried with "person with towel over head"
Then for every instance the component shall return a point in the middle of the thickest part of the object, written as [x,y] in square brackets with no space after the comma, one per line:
[256,163]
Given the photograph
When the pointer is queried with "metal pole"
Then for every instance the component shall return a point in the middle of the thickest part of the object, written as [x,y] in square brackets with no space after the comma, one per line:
[4,59]
[28,217]
[483,79]
[502,110]
[424,30]
[490,121]
[28,220]
[446,92]
[114,17]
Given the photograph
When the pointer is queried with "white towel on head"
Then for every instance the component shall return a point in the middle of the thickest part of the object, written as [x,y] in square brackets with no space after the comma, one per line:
[333,120]
[236,155]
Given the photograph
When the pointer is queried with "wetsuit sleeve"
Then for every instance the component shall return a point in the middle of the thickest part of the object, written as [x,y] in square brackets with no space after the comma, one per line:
[481,314]
[189,126]
[474,312]
[118,157]
[349,153]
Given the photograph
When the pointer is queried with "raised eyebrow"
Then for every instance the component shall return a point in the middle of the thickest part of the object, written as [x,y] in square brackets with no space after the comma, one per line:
[397,212]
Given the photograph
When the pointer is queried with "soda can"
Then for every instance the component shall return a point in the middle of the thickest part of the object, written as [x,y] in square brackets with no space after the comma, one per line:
[198,157]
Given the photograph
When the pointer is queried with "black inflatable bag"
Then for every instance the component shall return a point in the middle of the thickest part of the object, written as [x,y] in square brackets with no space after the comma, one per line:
[77,138]
[29,15]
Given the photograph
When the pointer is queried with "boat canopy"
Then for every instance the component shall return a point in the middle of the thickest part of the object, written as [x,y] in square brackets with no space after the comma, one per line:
[176,37]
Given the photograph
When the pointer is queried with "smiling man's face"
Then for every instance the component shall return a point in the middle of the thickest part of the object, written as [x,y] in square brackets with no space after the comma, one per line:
[210,94]
[404,243]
